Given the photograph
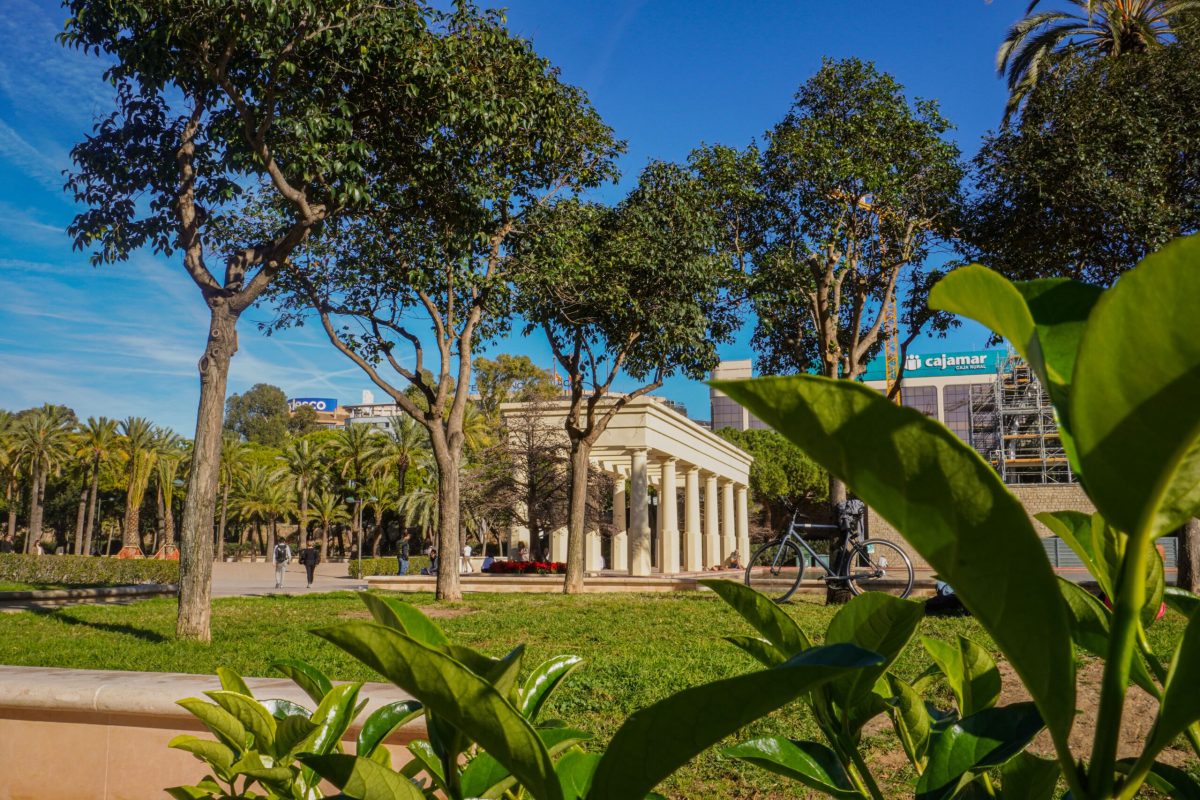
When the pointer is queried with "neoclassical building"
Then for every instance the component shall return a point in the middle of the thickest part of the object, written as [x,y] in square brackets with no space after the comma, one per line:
[646,444]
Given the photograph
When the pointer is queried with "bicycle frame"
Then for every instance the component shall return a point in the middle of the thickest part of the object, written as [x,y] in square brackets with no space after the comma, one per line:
[793,535]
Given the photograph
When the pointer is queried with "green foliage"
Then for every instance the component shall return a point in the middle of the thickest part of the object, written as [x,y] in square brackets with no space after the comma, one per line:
[385,566]
[260,415]
[782,477]
[1136,440]
[70,571]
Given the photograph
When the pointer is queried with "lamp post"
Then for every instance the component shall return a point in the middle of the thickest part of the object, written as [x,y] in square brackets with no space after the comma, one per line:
[357,523]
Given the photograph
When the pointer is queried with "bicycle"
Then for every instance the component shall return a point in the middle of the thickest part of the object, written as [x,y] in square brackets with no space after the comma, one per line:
[777,567]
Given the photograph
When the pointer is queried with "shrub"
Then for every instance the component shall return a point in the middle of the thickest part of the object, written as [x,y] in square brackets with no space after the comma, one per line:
[385,566]
[85,570]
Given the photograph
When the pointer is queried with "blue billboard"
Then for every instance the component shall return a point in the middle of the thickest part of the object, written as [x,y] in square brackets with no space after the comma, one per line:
[317,403]
[940,365]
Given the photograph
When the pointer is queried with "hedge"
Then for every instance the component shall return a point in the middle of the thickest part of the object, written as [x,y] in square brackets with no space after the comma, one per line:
[385,566]
[85,570]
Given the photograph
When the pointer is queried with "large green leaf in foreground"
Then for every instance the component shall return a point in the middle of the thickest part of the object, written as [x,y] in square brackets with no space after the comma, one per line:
[656,741]
[1134,395]
[948,504]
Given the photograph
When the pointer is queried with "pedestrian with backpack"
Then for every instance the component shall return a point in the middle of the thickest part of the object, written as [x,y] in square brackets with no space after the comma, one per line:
[283,556]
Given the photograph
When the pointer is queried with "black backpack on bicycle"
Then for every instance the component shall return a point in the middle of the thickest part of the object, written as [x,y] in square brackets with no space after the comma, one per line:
[851,519]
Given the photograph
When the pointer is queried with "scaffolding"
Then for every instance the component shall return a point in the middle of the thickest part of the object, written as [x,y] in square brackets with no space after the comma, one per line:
[1013,427]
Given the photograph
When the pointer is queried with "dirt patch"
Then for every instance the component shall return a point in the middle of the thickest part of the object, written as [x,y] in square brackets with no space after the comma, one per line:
[433,612]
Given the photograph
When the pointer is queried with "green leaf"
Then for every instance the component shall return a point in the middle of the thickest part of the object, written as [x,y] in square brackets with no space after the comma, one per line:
[447,688]
[877,622]
[383,721]
[949,504]
[314,682]
[542,682]
[970,671]
[253,716]
[1172,781]
[215,754]
[575,770]
[204,790]
[1180,705]
[656,741]
[910,719]
[225,726]
[763,614]
[1091,624]
[333,716]
[760,650]
[1181,600]
[487,777]
[975,744]
[362,778]
[1156,584]
[423,752]
[1075,528]
[1027,777]
[811,763]
[404,617]
[281,709]
[292,731]
[232,682]
[1133,407]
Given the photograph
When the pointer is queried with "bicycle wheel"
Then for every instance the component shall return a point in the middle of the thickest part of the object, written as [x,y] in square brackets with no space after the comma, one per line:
[775,570]
[880,566]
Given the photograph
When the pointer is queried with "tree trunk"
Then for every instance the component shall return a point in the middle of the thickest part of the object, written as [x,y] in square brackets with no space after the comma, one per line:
[302,530]
[324,542]
[79,518]
[243,533]
[837,594]
[90,525]
[12,510]
[221,526]
[577,514]
[196,538]
[448,542]
[35,510]
[160,530]
[169,521]
[270,549]
[133,513]
[1188,561]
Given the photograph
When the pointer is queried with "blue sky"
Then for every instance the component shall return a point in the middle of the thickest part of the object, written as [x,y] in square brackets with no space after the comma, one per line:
[666,74]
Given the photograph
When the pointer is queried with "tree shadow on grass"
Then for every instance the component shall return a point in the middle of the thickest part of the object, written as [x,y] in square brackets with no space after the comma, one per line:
[144,634]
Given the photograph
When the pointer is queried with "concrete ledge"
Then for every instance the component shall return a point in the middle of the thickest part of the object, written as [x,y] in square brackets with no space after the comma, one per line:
[549,584]
[70,734]
[95,593]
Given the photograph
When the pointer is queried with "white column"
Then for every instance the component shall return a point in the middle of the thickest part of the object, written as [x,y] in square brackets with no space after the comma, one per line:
[693,560]
[728,533]
[712,524]
[743,524]
[558,544]
[668,533]
[620,539]
[519,531]
[591,551]
[639,520]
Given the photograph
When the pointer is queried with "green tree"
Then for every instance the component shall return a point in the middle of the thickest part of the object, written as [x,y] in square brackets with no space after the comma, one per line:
[640,290]
[437,246]
[44,445]
[260,415]
[212,97]
[354,451]
[173,450]
[510,378]
[10,469]
[328,509]
[303,421]
[264,495]
[302,458]
[782,478]
[96,445]
[138,453]
[1094,29]
[233,464]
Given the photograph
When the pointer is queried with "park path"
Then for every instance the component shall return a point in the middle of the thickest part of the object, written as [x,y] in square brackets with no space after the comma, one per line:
[256,578]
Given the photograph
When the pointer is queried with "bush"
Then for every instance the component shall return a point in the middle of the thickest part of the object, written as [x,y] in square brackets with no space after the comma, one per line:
[85,570]
[385,566]
[527,568]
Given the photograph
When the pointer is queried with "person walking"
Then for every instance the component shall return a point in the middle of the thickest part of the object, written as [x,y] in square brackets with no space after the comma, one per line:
[282,557]
[402,553]
[310,557]
[466,559]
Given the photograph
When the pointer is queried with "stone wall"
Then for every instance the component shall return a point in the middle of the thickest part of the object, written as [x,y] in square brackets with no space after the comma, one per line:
[1035,497]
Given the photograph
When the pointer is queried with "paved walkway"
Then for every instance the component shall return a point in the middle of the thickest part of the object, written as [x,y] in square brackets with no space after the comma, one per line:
[253,578]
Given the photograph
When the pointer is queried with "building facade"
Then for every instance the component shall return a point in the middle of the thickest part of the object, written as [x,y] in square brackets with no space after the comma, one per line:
[726,413]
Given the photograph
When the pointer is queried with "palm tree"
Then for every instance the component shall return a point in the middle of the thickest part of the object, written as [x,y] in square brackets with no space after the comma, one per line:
[10,468]
[354,451]
[96,444]
[328,509]
[44,437]
[139,451]
[233,465]
[1104,28]
[420,506]
[478,429]
[171,451]
[380,495]
[264,495]
[302,459]
[405,447]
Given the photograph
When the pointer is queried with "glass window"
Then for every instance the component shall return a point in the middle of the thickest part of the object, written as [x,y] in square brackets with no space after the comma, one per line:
[922,398]
[956,400]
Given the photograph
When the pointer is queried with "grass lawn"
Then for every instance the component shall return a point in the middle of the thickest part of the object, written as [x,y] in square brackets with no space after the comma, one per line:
[639,648]
[15,586]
